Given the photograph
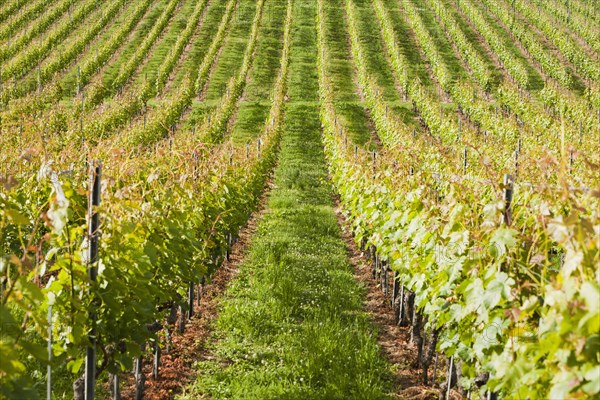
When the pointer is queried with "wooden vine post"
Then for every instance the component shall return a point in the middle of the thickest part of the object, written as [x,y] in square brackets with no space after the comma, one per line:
[139,375]
[181,322]
[115,386]
[401,310]
[93,237]
[395,288]
[506,220]
[78,79]
[200,289]
[508,195]
[449,385]
[49,368]
[374,155]
[156,359]
[191,300]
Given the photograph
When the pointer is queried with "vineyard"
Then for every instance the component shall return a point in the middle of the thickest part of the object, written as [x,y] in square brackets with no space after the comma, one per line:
[450,149]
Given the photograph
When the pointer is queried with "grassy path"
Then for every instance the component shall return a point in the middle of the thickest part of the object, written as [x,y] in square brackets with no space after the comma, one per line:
[292,324]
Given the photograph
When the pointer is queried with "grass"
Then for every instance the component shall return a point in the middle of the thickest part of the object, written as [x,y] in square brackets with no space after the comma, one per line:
[251,117]
[69,80]
[372,43]
[171,34]
[233,50]
[268,52]
[473,38]
[291,325]
[536,81]
[112,70]
[340,69]
[200,42]
[254,109]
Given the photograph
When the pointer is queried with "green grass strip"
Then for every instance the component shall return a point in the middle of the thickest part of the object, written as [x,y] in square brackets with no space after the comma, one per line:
[292,325]
[349,107]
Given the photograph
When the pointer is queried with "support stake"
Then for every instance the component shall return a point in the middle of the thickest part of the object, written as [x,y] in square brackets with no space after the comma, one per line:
[93,236]
[191,300]
[49,369]
[450,377]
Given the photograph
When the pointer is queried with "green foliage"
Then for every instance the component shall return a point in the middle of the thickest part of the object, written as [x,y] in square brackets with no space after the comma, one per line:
[496,293]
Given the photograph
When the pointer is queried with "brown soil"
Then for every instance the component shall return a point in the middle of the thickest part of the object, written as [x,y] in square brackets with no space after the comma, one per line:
[393,339]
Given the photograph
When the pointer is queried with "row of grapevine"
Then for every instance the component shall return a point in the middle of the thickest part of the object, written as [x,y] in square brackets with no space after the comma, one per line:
[165,69]
[474,60]
[28,59]
[452,131]
[439,123]
[38,28]
[22,17]
[572,21]
[569,113]
[8,9]
[90,66]
[549,62]
[97,90]
[586,9]
[135,98]
[451,266]
[93,126]
[213,129]
[386,127]
[481,201]
[506,93]
[568,47]
[514,66]
[580,116]
[477,110]
[439,67]
[159,122]
[422,229]
[575,109]
[176,236]
[582,62]
[427,105]
[74,48]
[47,68]
[47,125]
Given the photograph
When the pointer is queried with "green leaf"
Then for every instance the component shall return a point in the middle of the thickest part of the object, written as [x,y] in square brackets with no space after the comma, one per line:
[16,217]
[593,378]
[502,240]
[75,365]
[591,294]
[38,351]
